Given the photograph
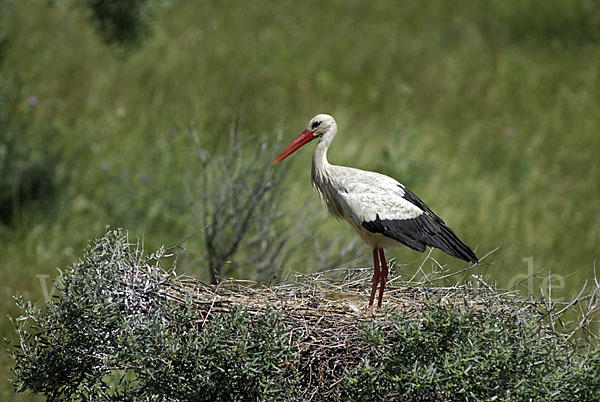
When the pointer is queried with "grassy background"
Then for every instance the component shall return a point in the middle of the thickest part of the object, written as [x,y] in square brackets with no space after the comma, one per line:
[486,110]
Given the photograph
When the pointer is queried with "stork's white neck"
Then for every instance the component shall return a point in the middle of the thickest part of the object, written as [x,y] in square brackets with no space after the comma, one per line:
[320,164]
[323,176]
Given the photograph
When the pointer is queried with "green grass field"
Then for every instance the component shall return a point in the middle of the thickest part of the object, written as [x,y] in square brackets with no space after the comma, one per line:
[487,110]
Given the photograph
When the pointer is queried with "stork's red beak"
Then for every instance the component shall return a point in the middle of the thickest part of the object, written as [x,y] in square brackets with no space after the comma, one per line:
[304,138]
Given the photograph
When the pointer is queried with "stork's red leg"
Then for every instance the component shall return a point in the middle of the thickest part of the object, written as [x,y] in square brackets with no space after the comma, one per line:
[384,275]
[376,276]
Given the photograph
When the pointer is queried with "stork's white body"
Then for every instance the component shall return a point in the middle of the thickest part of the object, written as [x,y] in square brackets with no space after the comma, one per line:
[382,211]
[360,196]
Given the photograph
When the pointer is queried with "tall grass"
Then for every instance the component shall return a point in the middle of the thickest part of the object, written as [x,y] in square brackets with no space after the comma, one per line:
[488,111]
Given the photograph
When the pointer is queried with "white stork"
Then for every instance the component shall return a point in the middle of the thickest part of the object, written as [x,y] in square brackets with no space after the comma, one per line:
[380,209]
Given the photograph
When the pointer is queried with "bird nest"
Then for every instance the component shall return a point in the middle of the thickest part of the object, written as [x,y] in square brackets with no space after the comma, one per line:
[334,294]
[119,313]
[328,313]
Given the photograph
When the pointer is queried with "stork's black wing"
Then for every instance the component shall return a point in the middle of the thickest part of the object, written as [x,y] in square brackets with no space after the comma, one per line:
[427,229]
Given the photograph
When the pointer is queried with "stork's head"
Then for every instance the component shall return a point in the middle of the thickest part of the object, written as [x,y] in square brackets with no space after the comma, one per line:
[320,124]
[317,127]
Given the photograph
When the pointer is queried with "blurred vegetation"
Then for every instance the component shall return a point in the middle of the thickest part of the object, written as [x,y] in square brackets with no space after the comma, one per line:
[486,110]
[123,22]
[232,199]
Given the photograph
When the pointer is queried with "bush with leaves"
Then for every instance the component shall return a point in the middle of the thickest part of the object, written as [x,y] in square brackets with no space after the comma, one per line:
[113,333]
[472,355]
[125,328]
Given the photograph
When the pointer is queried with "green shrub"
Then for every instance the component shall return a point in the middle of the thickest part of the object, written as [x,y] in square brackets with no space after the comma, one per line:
[472,355]
[124,328]
[102,338]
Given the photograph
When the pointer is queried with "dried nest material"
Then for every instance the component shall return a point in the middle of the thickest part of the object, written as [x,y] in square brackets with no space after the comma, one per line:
[336,294]
[342,294]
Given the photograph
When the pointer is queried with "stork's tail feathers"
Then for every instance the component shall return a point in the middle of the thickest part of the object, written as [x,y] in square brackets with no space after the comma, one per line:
[436,233]
[442,237]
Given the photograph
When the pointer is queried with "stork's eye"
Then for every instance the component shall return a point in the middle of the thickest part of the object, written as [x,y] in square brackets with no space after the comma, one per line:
[315,124]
